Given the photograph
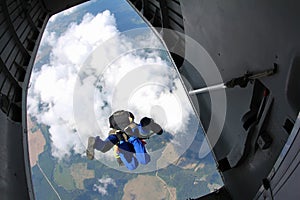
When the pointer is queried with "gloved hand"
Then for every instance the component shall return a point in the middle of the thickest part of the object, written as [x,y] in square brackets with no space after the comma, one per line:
[119,161]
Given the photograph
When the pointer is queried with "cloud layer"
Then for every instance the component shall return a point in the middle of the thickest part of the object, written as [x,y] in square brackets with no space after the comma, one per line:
[53,85]
[142,81]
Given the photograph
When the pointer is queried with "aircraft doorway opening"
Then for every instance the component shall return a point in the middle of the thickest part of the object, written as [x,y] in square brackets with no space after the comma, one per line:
[92,62]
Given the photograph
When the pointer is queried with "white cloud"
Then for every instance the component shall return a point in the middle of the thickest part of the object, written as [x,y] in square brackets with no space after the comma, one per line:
[103,184]
[160,95]
[79,40]
[49,38]
[54,83]
[141,83]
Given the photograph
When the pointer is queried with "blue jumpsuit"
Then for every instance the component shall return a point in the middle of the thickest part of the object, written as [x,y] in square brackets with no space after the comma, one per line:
[131,153]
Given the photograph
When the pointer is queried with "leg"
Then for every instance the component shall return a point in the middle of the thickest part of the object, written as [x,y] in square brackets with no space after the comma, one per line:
[126,152]
[140,151]
[107,144]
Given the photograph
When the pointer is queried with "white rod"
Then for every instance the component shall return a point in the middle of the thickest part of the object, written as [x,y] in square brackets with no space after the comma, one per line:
[207,89]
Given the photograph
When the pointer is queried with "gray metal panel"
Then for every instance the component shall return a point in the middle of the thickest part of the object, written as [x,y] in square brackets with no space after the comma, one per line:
[292,184]
[13,183]
[246,36]
[284,178]
[243,36]
[287,176]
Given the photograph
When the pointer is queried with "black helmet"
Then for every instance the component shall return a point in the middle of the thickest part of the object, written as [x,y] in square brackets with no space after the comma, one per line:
[120,119]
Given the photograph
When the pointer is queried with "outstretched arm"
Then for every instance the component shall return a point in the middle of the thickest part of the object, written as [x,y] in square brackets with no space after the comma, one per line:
[107,144]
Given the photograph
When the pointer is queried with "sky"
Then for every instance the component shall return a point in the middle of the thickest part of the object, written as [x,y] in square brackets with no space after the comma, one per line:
[138,79]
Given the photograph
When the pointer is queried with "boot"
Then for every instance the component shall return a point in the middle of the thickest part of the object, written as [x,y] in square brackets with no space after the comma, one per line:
[90,152]
[149,125]
[156,128]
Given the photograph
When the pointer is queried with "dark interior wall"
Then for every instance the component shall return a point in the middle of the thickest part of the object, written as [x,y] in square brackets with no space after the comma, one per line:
[22,23]
[165,14]
[55,6]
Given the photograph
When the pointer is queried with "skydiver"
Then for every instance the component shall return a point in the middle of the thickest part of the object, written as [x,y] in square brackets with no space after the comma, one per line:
[126,137]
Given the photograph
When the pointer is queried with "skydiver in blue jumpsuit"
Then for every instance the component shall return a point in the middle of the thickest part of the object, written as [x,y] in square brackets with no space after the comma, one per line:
[127,137]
